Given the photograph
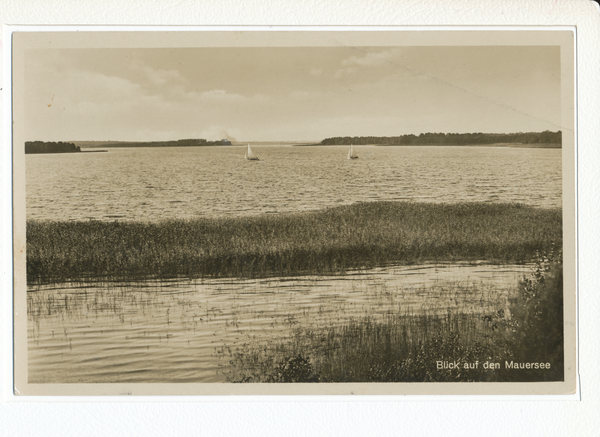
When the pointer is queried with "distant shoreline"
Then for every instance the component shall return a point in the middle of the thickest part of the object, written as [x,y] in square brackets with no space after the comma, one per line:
[155,145]
[149,145]
[514,145]
[536,140]
[65,152]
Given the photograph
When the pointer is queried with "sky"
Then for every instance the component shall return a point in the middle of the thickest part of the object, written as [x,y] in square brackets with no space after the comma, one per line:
[288,93]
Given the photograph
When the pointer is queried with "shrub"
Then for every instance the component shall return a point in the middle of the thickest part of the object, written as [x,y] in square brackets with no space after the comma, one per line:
[294,369]
[535,327]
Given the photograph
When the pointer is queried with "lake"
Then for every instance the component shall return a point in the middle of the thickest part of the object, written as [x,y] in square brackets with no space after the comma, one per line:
[181,331]
[154,184]
[184,330]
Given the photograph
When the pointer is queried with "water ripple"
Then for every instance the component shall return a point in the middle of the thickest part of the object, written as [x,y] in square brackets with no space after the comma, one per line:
[155,184]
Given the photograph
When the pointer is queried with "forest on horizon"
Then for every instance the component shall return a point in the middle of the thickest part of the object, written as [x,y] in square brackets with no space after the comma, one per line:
[546,137]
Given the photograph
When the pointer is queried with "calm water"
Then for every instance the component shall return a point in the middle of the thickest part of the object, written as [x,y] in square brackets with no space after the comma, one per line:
[181,331]
[153,184]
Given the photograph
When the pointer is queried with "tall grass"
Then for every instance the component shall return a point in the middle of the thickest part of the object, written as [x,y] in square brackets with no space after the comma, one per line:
[326,241]
[409,348]
[400,348]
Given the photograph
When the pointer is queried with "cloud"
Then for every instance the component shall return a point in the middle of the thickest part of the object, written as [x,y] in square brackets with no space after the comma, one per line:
[316,71]
[370,59]
[155,76]
[85,86]
[344,72]
[160,76]
[301,95]
[219,132]
[353,64]
[219,96]
[215,97]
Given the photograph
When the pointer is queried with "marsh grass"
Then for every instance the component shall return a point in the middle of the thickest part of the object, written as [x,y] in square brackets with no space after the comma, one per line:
[408,347]
[361,235]
[400,348]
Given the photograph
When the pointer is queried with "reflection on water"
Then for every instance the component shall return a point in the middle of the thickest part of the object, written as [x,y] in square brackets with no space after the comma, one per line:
[174,331]
[153,184]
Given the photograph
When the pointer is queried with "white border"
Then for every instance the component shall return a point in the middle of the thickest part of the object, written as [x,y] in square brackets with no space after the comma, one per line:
[9,396]
[6,243]
[341,418]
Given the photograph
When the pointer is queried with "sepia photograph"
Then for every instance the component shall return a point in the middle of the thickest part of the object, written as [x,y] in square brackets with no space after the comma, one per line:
[288,212]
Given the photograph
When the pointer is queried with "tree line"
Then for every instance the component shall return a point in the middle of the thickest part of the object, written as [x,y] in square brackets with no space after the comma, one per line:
[50,147]
[173,143]
[546,137]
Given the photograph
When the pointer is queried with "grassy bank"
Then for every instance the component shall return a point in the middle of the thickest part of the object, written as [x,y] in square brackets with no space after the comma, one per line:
[330,240]
[418,348]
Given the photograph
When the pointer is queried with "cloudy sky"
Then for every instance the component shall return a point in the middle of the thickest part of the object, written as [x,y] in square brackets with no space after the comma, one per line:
[288,94]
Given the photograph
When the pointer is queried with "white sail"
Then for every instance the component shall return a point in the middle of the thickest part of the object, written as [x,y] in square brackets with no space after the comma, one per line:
[351,154]
[250,155]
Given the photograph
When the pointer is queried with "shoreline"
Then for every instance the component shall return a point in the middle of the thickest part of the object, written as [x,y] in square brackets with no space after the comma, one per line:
[504,341]
[514,145]
[332,240]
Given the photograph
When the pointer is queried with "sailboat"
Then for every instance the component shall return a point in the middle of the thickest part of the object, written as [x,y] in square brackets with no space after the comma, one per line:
[351,154]
[250,156]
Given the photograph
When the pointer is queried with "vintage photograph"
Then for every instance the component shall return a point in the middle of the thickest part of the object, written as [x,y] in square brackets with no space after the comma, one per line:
[257,212]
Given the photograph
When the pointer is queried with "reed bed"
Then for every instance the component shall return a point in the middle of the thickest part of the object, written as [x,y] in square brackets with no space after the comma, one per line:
[401,348]
[332,240]
[410,347]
